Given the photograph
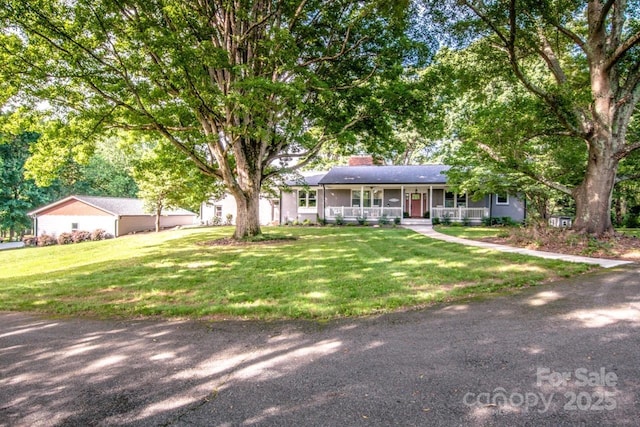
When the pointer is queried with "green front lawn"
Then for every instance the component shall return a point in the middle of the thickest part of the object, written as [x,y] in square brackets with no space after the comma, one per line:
[472,232]
[327,272]
[635,232]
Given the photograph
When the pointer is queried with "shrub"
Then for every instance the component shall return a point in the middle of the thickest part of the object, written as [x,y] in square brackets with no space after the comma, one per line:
[466,221]
[306,222]
[29,240]
[98,234]
[486,221]
[295,222]
[435,221]
[396,220]
[64,239]
[216,220]
[339,219]
[507,221]
[321,221]
[631,220]
[362,220]
[46,240]
[405,214]
[228,219]
[446,220]
[383,220]
[80,236]
[426,215]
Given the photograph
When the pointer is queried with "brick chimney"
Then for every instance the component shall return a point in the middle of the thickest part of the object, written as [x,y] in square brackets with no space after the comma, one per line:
[361,161]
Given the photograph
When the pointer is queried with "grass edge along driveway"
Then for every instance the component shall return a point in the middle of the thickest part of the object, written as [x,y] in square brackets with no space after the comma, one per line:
[325,273]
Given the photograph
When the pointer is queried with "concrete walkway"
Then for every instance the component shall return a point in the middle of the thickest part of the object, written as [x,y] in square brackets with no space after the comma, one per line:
[428,231]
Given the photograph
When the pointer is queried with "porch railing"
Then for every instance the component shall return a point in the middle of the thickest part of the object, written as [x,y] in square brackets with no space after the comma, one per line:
[459,213]
[356,211]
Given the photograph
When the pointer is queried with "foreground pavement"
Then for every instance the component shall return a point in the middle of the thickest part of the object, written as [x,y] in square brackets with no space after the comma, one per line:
[559,354]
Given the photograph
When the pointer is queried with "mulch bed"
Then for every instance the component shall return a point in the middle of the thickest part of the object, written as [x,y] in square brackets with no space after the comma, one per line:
[614,246]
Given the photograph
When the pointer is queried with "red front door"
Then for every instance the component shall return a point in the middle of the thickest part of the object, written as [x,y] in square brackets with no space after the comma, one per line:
[416,202]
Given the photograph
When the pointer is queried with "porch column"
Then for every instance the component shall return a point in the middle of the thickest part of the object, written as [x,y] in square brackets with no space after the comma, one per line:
[431,201]
[362,201]
[402,201]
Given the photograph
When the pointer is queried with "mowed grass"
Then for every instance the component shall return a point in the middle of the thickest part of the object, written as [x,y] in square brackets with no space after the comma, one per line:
[325,273]
[475,232]
[634,232]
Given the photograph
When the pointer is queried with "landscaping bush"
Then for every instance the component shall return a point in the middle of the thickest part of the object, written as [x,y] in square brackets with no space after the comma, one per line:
[321,221]
[29,240]
[435,221]
[446,220]
[65,239]
[306,222]
[396,220]
[466,221]
[339,219]
[383,220]
[486,221]
[405,214]
[362,220]
[631,220]
[98,234]
[46,240]
[426,215]
[80,236]
[228,220]
[216,220]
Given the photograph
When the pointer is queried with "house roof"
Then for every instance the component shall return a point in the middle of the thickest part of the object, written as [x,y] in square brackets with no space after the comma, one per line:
[114,205]
[418,174]
[311,180]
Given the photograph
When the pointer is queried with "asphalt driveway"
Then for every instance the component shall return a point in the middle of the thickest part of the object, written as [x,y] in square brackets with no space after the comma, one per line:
[561,354]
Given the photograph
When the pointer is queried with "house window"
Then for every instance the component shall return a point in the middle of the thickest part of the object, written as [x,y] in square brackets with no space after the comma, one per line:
[74,226]
[502,199]
[453,200]
[366,198]
[217,211]
[307,198]
[461,200]
[449,199]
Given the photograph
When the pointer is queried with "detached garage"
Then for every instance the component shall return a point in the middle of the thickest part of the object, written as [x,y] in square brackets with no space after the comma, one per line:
[117,216]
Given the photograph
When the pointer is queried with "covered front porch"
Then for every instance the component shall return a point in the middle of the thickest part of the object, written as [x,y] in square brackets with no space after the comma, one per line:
[404,202]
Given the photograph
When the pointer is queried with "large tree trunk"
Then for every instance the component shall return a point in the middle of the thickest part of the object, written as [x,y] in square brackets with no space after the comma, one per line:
[247,215]
[593,195]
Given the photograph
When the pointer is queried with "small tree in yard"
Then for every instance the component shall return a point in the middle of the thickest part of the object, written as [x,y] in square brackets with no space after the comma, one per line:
[168,181]
[240,87]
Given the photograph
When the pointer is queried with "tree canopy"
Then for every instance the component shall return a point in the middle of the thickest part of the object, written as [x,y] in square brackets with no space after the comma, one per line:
[246,89]
[559,87]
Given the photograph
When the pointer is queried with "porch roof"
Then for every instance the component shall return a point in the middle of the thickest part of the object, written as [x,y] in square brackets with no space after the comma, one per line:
[418,174]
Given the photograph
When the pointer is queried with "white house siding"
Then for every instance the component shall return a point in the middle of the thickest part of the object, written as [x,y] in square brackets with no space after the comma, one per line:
[170,221]
[269,212]
[57,224]
[291,212]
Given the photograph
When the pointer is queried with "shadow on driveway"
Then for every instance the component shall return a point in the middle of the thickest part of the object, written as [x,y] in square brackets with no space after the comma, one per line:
[560,353]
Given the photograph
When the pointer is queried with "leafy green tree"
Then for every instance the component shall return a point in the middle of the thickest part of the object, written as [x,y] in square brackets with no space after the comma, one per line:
[107,172]
[577,68]
[246,89]
[167,180]
[18,195]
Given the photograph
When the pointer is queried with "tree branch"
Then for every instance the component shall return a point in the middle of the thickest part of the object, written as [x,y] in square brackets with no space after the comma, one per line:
[525,171]
[621,50]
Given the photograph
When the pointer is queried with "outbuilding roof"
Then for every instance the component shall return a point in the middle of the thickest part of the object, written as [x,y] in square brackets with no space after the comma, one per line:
[415,174]
[117,206]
